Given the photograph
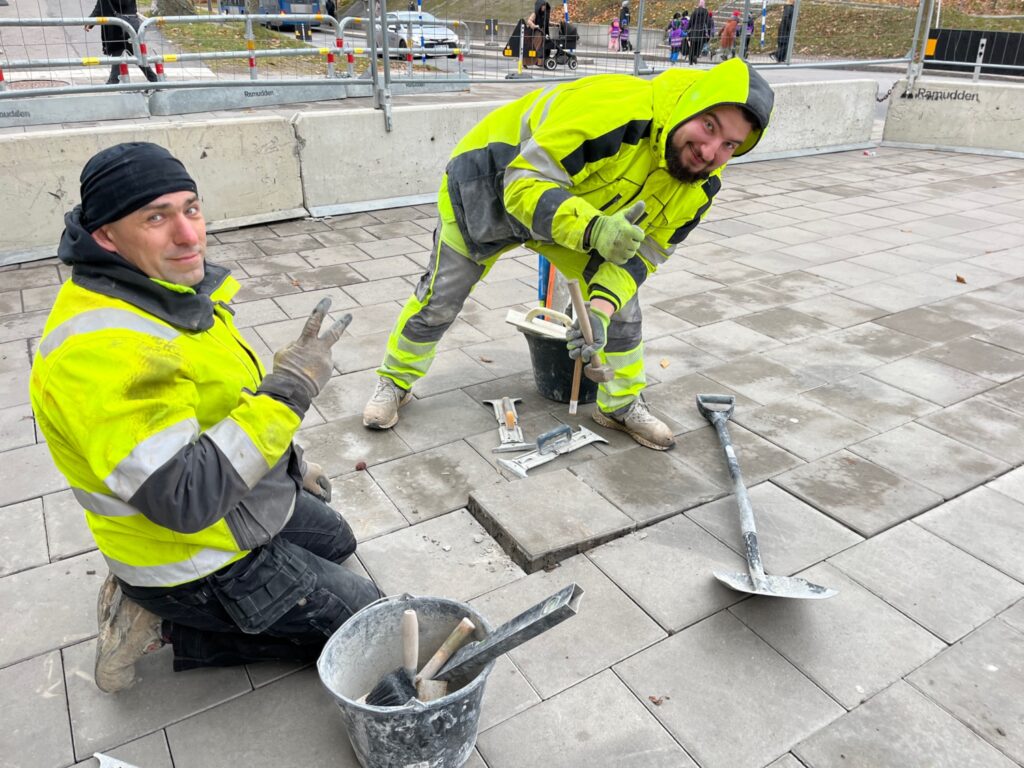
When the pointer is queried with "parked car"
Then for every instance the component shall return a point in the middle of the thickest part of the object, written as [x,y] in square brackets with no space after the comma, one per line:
[425,31]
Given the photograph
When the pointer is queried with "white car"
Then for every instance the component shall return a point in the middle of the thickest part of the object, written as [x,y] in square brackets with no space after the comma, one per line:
[424,30]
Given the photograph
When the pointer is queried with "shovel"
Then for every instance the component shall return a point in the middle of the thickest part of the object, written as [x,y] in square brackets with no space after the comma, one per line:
[756,582]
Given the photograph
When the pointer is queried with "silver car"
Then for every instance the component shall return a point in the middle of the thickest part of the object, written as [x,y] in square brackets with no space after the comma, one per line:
[424,30]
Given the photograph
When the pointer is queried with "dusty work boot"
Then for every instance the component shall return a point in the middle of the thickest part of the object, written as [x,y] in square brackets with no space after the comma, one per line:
[127,633]
[638,422]
[381,412]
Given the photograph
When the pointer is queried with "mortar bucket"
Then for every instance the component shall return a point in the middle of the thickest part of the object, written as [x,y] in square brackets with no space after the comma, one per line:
[553,368]
[436,734]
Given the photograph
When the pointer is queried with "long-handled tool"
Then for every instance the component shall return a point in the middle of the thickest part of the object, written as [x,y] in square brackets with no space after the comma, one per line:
[509,431]
[756,582]
[594,371]
[429,689]
[550,446]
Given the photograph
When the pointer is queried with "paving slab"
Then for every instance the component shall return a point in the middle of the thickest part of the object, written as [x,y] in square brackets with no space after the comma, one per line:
[506,694]
[1009,396]
[785,324]
[762,379]
[36,732]
[941,587]
[787,761]
[339,445]
[803,427]
[1014,616]
[671,357]
[703,308]
[435,481]
[22,537]
[928,324]
[448,556]
[853,645]
[984,523]
[980,358]
[727,340]
[237,732]
[878,341]
[792,535]
[979,681]
[49,607]
[1008,336]
[759,459]
[608,628]
[935,461]
[346,395]
[1009,294]
[870,402]
[545,519]
[617,730]
[980,424]
[668,570]
[981,313]
[898,727]
[365,506]
[931,380]
[450,371]
[677,399]
[28,472]
[735,702]
[67,533]
[149,751]
[646,485]
[17,427]
[1011,484]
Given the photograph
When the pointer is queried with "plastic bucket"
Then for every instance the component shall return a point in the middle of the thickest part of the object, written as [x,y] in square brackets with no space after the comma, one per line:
[437,734]
[553,368]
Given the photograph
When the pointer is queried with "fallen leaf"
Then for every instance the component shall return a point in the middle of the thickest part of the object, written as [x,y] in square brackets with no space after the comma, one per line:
[664,362]
[296,283]
[485,359]
[658,700]
[961,279]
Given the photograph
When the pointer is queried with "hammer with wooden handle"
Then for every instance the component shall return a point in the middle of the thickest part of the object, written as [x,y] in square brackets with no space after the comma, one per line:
[594,370]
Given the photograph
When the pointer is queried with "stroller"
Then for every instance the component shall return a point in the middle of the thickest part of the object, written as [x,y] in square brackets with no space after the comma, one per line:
[556,50]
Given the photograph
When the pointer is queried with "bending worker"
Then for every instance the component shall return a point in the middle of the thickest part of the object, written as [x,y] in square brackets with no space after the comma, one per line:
[177,444]
[605,176]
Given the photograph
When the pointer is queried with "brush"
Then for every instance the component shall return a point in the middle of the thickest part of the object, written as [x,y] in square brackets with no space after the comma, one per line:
[397,687]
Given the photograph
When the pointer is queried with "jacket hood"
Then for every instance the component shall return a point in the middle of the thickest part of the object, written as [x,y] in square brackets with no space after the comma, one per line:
[680,95]
[99,270]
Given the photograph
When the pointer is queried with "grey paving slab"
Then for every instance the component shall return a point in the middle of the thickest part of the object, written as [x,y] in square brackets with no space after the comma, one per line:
[26,325]
[982,425]
[49,607]
[759,459]
[439,419]
[870,402]
[67,533]
[803,427]
[981,313]
[300,305]
[618,731]
[1009,396]
[17,427]
[448,556]
[1011,484]
[451,370]
[941,587]
[339,445]
[853,645]
[365,506]
[346,395]
[703,308]
[837,310]
[273,246]
[898,727]
[274,265]
[270,286]
[391,246]
[545,519]
[341,253]
[735,703]
[435,481]
[149,751]
[914,451]
[676,398]
[608,628]
[792,535]
[298,227]
[36,732]
[984,523]
[857,492]
[1010,336]
[22,537]
[671,357]
[797,286]
[668,570]
[160,696]
[506,694]
[848,273]
[341,236]
[266,672]
[258,312]
[237,732]
[929,325]
[787,761]
[370,293]
[28,472]
[762,379]
[883,343]
[1014,616]
[979,681]
[978,357]
[1009,294]
[785,324]
[825,358]
[727,340]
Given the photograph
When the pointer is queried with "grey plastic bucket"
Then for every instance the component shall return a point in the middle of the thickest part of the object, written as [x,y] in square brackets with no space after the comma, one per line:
[438,734]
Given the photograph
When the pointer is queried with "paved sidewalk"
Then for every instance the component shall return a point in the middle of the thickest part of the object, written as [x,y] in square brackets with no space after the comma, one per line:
[867,310]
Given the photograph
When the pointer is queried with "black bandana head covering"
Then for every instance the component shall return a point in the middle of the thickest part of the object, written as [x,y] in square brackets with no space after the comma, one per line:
[123,178]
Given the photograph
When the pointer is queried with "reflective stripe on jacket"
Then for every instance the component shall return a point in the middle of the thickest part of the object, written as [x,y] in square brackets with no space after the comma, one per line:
[539,169]
[180,468]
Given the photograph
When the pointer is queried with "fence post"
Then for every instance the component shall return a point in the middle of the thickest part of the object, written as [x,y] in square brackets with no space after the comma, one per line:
[917,33]
[917,66]
[640,66]
[385,91]
[250,44]
[792,32]
[745,36]
[978,59]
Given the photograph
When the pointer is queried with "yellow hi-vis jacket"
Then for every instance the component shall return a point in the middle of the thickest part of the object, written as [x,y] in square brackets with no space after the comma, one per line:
[540,169]
[155,421]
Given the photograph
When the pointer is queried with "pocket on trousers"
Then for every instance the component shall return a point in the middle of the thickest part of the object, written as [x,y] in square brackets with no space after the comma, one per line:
[264,587]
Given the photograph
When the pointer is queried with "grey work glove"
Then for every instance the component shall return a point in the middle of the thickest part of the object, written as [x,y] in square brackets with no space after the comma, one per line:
[599,327]
[616,237]
[307,360]
[315,480]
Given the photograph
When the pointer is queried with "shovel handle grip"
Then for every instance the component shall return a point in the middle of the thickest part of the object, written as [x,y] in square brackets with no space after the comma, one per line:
[703,401]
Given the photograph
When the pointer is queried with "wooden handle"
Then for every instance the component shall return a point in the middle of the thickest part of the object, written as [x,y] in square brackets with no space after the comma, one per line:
[580,308]
[574,393]
[509,412]
[410,642]
[448,647]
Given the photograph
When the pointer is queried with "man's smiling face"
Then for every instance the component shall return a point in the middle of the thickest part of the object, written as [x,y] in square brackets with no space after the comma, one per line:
[706,142]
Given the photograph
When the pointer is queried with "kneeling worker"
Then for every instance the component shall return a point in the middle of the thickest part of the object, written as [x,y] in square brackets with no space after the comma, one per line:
[605,176]
[178,444]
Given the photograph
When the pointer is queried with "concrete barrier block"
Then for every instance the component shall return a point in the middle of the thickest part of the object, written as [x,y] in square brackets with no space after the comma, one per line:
[347,157]
[45,110]
[959,116]
[259,94]
[247,169]
[818,117]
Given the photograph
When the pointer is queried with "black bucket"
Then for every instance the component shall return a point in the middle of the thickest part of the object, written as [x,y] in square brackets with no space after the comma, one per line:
[553,369]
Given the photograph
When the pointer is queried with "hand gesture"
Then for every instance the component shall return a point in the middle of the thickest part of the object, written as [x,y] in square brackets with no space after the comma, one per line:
[308,358]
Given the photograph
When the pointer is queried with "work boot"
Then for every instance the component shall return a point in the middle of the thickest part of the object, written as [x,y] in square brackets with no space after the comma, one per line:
[127,633]
[637,422]
[381,412]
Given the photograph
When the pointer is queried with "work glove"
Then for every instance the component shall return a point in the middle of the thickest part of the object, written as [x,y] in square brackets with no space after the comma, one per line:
[307,361]
[315,480]
[616,237]
[578,348]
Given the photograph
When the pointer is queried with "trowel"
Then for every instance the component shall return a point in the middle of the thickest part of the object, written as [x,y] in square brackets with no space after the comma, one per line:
[550,446]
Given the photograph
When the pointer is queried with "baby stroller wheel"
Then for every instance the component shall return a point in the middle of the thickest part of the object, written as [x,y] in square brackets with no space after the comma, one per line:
[573,63]
[550,63]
